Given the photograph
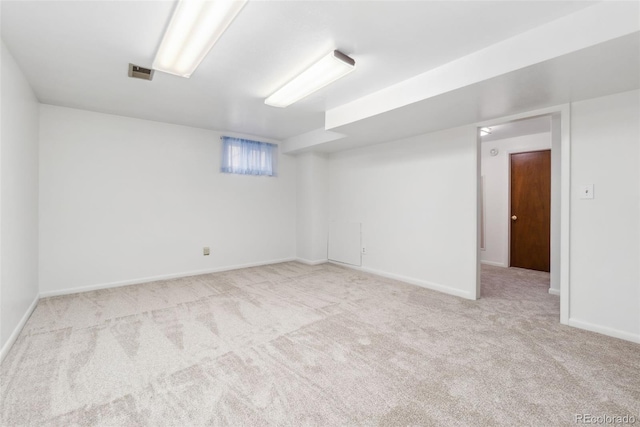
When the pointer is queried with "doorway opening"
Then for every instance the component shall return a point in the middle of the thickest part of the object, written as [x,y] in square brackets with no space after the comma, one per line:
[521,187]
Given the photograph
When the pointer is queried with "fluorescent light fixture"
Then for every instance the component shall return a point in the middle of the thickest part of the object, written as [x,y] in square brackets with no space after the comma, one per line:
[329,69]
[195,27]
[485,131]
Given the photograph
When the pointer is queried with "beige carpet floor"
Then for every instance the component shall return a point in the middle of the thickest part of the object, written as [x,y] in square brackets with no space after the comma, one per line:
[296,345]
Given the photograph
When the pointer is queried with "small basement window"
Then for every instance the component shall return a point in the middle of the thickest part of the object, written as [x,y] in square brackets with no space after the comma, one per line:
[248,157]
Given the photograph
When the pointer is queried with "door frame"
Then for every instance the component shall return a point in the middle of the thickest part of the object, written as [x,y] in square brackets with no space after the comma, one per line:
[563,112]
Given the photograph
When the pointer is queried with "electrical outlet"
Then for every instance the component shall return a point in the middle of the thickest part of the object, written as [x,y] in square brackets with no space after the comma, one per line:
[205,251]
[364,250]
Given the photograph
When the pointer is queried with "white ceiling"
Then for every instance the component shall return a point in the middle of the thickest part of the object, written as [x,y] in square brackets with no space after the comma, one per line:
[76,54]
[540,124]
[603,69]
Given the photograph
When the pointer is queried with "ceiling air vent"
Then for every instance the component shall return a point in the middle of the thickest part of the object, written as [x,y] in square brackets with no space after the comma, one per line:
[138,72]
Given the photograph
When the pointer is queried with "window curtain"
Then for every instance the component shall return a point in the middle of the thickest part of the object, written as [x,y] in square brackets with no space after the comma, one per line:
[248,157]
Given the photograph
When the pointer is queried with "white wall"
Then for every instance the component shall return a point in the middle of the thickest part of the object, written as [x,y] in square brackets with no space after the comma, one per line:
[18,199]
[312,213]
[125,200]
[495,170]
[605,231]
[417,202]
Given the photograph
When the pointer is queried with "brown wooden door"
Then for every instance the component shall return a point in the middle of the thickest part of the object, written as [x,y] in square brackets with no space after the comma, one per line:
[531,210]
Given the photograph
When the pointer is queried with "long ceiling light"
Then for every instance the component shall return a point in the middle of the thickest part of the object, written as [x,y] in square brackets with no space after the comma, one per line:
[195,27]
[329,69]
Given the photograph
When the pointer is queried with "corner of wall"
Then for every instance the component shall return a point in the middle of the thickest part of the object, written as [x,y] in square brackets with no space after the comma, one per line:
[19,193]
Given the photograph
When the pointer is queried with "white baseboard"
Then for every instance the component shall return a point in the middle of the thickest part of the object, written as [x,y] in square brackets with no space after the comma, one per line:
[309,262]
[604,330]
[493,263]
[139,280]
[14,335]
[412,281]
[554,291]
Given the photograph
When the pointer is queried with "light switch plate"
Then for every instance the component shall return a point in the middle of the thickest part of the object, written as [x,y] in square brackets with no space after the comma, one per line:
[586,191]
[206,251]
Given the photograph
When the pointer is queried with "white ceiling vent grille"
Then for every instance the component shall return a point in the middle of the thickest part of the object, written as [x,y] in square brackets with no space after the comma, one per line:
[138,72]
